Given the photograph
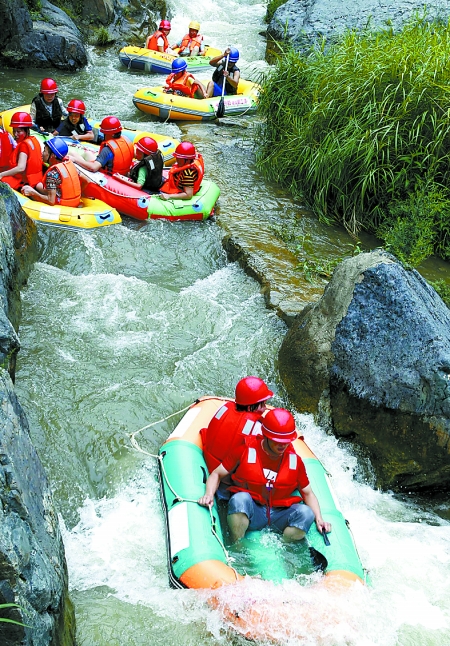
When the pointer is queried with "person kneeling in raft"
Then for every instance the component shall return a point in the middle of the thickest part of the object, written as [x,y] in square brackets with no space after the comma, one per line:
[185,176]
[266,474]
[147,172]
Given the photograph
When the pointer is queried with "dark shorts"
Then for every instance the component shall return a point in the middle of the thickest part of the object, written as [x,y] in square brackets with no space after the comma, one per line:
[297,515]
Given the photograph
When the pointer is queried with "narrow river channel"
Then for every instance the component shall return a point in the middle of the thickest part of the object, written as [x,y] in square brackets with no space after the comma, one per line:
[127,325]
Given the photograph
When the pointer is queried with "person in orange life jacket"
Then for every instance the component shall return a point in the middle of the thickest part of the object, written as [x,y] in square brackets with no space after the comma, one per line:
[185,176]
[267,475]
[147,173]
[75,125]
[224,73]
[232,423]
[46,108]
[25,165]
[60,184]
[181,82]
[7,145]
[116,152]
[158,41]
[192,43]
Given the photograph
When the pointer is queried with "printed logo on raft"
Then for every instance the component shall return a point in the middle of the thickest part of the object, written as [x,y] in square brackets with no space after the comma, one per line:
[239,100]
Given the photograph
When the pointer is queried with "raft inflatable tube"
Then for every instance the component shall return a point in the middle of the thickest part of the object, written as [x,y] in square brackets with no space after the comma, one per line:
[166,144]
[196,558]
[146,60]
[90,214]
[144,206]
[171,107]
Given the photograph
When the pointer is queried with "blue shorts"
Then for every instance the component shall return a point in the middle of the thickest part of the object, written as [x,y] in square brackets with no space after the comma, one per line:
[297,515]
[217,89]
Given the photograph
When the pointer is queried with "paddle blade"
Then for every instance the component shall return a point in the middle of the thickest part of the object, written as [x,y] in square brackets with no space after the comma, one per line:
[220,109]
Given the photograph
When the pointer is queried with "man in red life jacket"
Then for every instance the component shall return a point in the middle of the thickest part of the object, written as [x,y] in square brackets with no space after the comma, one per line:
[181,82]
[116,152]
[25,165]
[60,184]
[185,176]
[192,43]
[158,41]
[268,477]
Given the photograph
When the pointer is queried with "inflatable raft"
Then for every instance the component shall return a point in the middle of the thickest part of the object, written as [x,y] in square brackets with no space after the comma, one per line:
[171,107]
[143,206]
[147,60]
[195,552]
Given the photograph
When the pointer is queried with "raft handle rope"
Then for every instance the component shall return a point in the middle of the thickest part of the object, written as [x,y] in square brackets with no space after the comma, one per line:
[365,570]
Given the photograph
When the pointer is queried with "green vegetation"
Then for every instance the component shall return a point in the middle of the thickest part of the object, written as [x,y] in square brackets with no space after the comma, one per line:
[361,132]
[272,6]
[11,621]
[102,37]
[34,5]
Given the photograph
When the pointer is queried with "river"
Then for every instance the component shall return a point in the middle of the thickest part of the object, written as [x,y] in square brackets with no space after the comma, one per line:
[125,326]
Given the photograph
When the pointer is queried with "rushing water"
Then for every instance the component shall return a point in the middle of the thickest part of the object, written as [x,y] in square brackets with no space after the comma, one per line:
[124,326]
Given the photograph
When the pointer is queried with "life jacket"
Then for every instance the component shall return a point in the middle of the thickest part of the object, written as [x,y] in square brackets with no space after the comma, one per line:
[123,151]
[66,128]
[191,42]
[249,476]
[171,186]
[70,186]
[152,41]
[6,148]
[218,77]
[33,171]
[182,84]
[154,163]
[227,429]
[43,117]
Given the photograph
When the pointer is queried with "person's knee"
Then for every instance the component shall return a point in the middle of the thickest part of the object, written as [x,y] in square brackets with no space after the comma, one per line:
[302,517]
[241,503]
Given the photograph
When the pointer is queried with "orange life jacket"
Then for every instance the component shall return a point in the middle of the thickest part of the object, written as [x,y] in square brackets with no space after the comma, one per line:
[249,476]
[152,41]
[170,185]
[70,186]
[182,83]
[6,149]
[191,42]
[33,171]
[123,151]
[227,430]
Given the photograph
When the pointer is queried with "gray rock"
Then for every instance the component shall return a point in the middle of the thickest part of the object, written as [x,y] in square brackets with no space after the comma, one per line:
[373,357]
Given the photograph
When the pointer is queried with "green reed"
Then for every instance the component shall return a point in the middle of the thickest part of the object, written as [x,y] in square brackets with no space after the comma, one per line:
[360,130]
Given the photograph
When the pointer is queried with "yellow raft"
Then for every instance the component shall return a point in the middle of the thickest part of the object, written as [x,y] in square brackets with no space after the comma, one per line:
[147,60]
[171,107]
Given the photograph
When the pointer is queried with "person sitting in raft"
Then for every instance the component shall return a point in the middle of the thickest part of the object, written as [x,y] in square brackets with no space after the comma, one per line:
[158,41]
[75,125]
[233,423]
[7,145]
[116,152]
[25,166]
[192,43]
[267,476]
[46,108]
[182,83]
[60,184]
[227,73]
[185,176]
[147,173]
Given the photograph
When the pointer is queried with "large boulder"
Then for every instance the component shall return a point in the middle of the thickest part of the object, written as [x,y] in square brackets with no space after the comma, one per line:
[372,359]
[303,22]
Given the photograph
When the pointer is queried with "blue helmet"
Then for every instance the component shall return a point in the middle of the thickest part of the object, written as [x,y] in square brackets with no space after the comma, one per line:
[58,147]
[233,56]
[178,65]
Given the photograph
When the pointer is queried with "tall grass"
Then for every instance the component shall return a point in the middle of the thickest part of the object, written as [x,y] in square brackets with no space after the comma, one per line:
[361,131]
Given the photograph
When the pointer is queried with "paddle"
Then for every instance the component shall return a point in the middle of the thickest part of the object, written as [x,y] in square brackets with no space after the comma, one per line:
[221,107]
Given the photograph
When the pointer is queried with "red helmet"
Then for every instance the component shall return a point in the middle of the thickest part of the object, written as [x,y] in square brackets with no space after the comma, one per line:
[21,120]
[147,145]
[76,106]
[279,425]
[251,390]
[185,150]
[110,125]
[48,86]
[165,24]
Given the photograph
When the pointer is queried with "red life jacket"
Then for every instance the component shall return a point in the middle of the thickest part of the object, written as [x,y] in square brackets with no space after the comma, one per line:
[170,185]
[249,476]
[123,151]
[6,149]
[182,83]
[191,42]
[70,186]
[227,430]
[152,41]
[33,171]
